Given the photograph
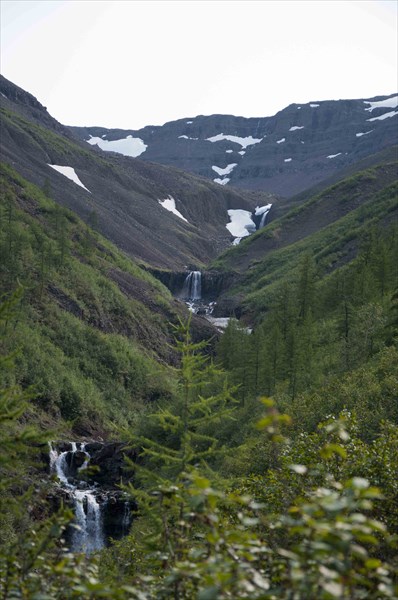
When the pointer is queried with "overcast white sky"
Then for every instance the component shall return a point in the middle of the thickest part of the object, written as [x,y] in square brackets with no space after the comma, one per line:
[130,63]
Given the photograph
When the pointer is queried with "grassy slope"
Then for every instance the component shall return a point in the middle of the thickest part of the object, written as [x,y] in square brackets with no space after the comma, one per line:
[92,329]
[329,226]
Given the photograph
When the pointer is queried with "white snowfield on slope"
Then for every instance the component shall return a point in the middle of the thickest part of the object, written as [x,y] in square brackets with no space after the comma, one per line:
[70,173]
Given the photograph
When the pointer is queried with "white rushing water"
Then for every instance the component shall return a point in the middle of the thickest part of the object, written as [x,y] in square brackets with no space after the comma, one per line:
[192,288]
[126,518]
[88,533]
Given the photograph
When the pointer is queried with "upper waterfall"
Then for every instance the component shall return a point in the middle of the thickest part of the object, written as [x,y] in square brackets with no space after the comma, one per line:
[262,211]
[192,288]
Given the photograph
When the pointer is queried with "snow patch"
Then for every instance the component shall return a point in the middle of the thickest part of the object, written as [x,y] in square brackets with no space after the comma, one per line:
[228,151]
[185,137]
[127,146]
[333,155]
[295,127]
[4,96]
[189,122]
[224,171]
[387,103]
[299,108]
[314,105]
[221,181]
[385,116]
[281,141]
[241,223]
[70,173]
[244,142]
[288,160]
[242,152]
[365,133]
[170,204]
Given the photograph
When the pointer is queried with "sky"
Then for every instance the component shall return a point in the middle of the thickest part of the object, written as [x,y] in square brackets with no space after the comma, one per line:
[132,63]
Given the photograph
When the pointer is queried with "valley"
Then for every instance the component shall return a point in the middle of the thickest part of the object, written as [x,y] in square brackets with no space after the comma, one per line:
[199,337]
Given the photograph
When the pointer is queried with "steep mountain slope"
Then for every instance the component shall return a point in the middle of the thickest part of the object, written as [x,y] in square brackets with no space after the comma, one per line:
[284,154]
[386,156]
[92,331]
[329,227]
[160,215]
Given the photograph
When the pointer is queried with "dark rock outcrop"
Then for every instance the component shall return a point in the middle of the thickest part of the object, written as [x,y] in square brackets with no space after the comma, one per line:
[109,462]
[212,283]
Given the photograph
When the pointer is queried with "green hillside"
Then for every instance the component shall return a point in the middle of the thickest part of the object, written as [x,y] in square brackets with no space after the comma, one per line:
[264,470]
[319,285]
[92,329]
[330,227]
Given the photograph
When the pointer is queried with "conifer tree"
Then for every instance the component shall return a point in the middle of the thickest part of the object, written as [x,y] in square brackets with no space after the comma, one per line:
[204,399]
[174,441]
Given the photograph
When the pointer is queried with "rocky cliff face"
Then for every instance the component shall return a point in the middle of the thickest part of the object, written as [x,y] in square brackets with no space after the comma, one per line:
[283,154]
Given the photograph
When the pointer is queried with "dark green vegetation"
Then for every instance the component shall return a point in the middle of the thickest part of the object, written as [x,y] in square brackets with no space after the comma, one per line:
[317,327]
[236,498]
[266,472]
[329,227]
[312,523]
[92,329]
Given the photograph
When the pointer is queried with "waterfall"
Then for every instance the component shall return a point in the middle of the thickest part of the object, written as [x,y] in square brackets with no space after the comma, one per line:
[126,518]
[192,288]
[88,534]
[263,212]
[262,222]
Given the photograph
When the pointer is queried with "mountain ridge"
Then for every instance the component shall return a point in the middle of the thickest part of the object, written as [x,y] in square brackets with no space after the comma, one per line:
[284,154]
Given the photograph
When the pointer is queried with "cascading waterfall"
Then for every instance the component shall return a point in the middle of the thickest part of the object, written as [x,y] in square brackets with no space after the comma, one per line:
[88,534]
[192,288]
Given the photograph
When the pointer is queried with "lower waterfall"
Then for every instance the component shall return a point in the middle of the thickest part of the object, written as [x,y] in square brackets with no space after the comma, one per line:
[88,535]
[126,518]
